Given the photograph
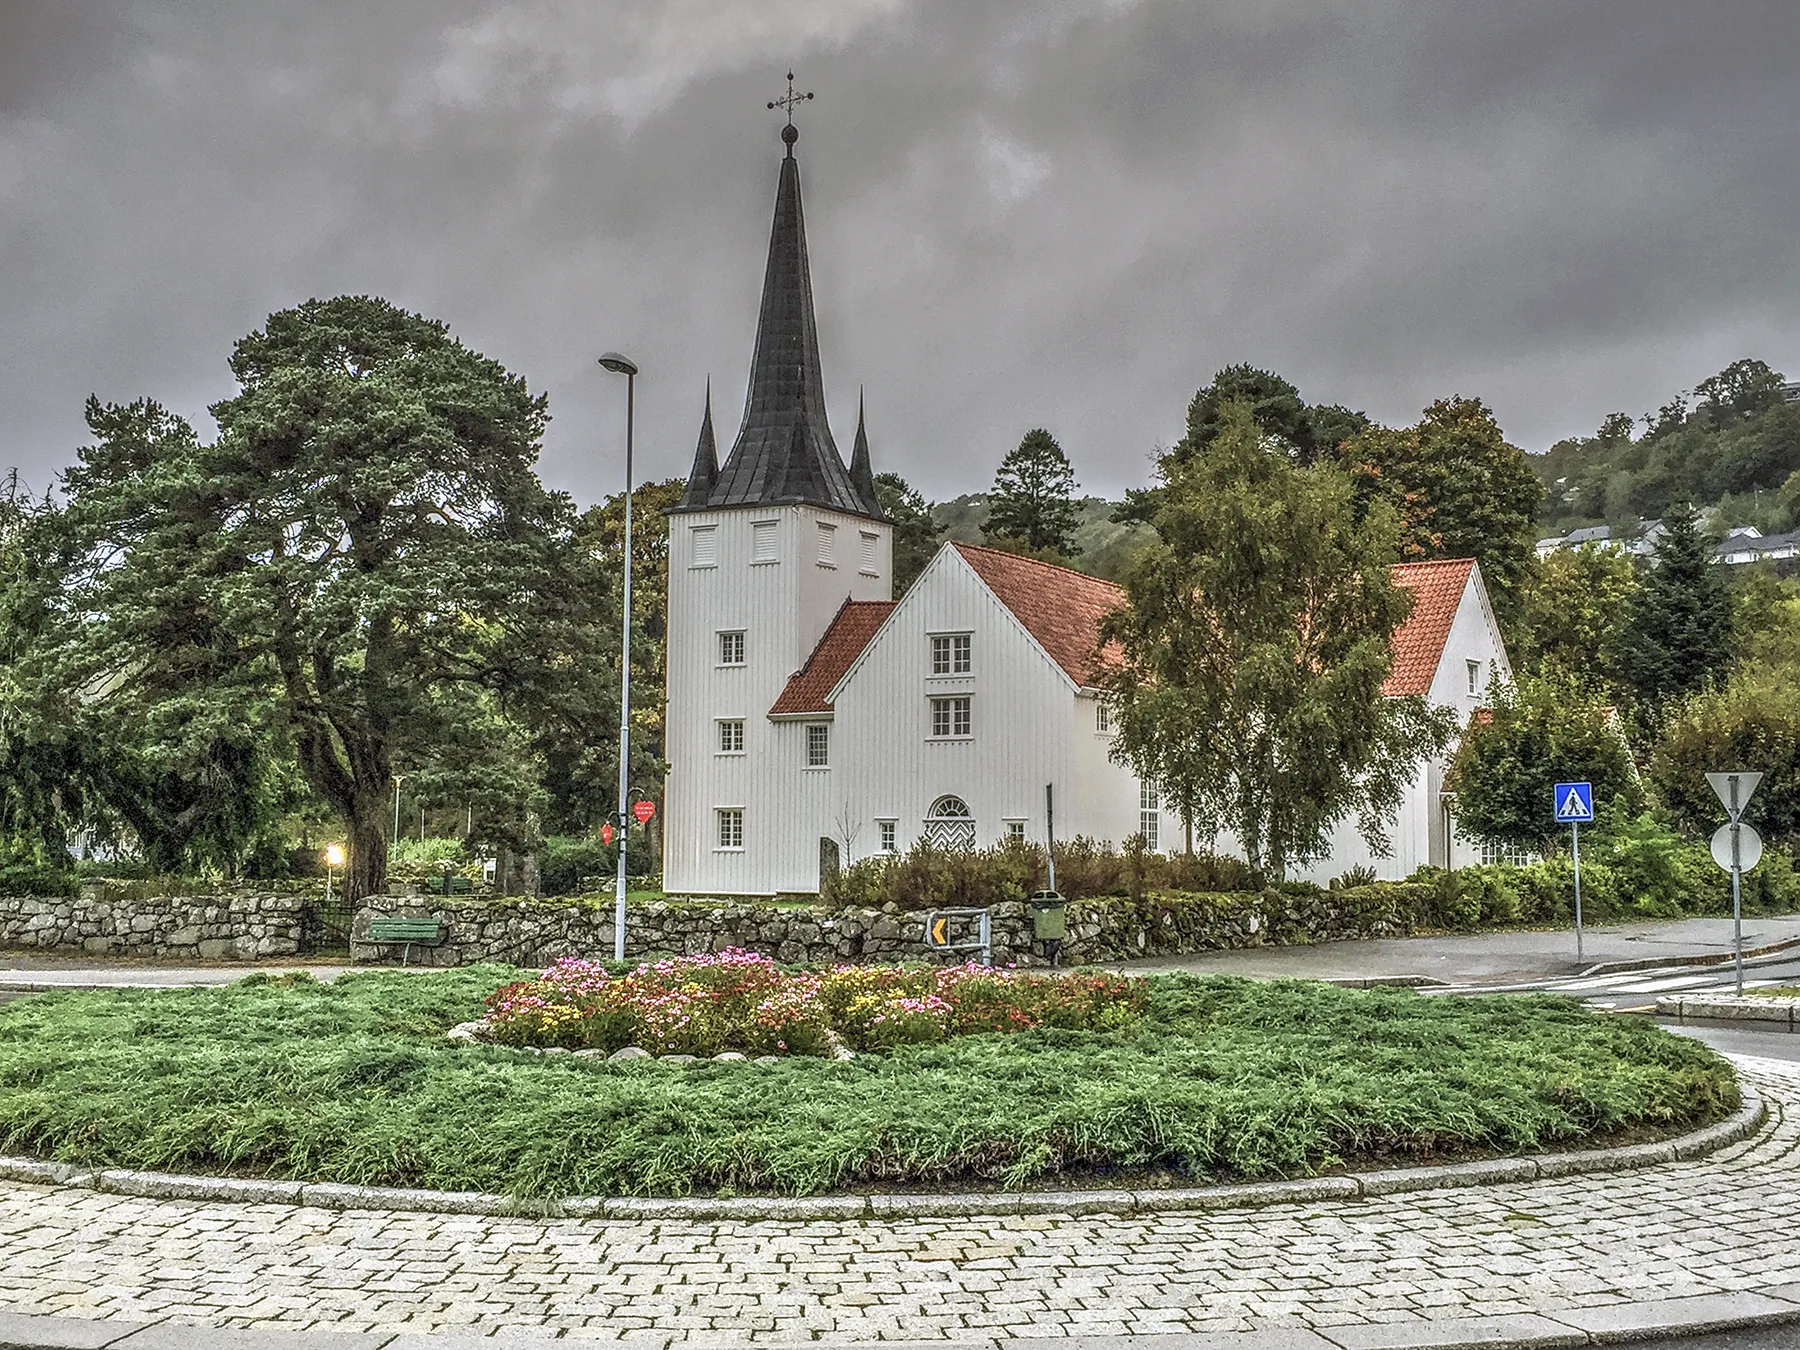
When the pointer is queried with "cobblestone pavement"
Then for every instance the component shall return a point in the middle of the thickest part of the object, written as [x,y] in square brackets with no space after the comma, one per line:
[1717,1225]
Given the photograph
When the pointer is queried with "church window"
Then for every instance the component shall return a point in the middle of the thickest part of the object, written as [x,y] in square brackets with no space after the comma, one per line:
[1474,677]
[731,736]
[951,654]
[731,649]
[818,745]
[1015,831]
[731,827]
[763,541]
[1102,718]
[870,543]
[827,545]
[950,718]
[950,825]
[889,832]
[1150,815]
[705,552]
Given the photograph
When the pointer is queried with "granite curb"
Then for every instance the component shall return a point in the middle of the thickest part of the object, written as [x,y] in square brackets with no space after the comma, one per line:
[1731,1008]
[1606,1324]
[802,1209]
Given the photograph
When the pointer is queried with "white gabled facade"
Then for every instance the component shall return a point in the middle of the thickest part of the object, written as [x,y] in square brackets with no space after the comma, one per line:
[1030,725]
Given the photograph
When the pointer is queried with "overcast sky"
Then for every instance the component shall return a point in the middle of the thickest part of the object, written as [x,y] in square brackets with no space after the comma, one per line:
[1065,213]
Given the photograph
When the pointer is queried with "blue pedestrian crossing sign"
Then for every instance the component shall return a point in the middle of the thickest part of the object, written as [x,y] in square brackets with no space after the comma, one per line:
[1574,803]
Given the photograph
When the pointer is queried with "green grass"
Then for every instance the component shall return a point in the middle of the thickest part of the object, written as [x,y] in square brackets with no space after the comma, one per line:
[1224,1079]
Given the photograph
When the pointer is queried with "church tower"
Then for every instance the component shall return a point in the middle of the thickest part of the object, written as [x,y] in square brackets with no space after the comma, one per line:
[764,550]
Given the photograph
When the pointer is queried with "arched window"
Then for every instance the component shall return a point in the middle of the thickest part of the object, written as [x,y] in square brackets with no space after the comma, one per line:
[950,825]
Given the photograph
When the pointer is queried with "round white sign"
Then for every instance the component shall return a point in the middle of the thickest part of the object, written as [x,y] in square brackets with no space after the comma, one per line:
[1749,847]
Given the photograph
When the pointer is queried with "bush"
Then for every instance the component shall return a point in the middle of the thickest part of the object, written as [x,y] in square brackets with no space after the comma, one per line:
[926,876]
[565,861]
[27,876]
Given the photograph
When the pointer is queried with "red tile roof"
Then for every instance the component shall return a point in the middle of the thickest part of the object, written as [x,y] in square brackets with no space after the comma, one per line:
[1437,589]
[1060,608]
[809,688]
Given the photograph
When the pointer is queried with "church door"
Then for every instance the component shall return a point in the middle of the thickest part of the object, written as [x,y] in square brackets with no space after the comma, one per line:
[950,825]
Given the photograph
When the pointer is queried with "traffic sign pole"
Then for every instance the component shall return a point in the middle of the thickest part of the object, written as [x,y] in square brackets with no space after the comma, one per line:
[1575,844]
[1572,804]
[1737,904]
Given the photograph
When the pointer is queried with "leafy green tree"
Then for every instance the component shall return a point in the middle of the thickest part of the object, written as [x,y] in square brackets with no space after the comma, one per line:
[1538,733]
[364,543]
[1751,722]
[1033,501]
[916,533]
[1739,392]
[1460,489]
[1570,612]
[1253,646]
[1276,405]
[1677,635]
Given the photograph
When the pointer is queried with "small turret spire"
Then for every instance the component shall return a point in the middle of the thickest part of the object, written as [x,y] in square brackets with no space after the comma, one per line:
[862,469]
[706,459]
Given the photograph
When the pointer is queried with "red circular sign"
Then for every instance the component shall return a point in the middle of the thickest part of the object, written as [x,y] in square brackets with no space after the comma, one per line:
[643,811]
[606,834]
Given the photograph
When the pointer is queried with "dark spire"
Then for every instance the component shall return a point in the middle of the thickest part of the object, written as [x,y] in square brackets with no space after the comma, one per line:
[784,452]
[862,471]
[706,459]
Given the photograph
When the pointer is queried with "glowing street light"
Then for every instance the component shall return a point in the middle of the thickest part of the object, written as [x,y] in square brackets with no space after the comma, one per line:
[334,857]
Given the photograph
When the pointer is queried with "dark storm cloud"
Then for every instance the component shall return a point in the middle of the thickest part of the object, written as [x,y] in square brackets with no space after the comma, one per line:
[1065,214]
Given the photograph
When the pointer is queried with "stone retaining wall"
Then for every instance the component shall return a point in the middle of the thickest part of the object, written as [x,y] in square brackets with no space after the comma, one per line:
[535,932]
[122,921]
[246,925]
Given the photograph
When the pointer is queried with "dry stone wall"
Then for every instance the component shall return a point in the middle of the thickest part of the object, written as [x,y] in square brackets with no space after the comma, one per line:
[106,920]
[535,932]
[251,925]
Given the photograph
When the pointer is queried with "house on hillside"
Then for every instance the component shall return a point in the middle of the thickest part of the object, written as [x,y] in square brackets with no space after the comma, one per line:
[812,720]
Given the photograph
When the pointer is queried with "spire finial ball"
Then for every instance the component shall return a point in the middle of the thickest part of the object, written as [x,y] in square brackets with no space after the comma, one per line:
[790,133]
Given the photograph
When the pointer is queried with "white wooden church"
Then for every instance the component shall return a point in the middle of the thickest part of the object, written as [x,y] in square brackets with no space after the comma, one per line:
[813,720]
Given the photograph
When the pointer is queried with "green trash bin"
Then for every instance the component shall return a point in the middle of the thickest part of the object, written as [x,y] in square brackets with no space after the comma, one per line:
[1049,916]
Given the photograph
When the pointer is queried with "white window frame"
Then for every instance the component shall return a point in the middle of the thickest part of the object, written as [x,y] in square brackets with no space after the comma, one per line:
[726,726]
[952,654]
[871,546]
[1150,816]
[703,546]
[729,823]
[728,649]
[887,835]
[827,544]
[765,543]
[818,745]
[1013,831]
[956,708]
[1494,854]
[1474,677]
[1103,723]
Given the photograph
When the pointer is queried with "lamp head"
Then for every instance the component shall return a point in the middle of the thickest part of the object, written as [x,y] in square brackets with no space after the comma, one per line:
[334,855]
[619,364]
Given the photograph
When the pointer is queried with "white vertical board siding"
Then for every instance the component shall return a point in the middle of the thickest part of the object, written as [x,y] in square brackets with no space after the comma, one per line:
[782,607]
[1418,834]
[1029,727]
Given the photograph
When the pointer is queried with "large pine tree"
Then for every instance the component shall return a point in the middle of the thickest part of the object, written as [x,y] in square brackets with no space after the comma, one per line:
[1677,638]
[1034,497]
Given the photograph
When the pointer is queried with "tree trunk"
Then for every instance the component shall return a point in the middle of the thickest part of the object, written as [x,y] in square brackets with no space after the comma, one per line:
[365,871]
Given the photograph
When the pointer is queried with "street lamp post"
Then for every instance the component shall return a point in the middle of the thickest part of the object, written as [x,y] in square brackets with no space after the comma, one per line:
[624,365]
[394,843]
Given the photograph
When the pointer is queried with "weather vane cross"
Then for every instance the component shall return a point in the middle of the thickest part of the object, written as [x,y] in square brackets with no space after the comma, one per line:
[787,104]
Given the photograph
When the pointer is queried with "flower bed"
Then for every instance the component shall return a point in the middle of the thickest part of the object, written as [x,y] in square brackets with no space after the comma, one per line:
[738,1000]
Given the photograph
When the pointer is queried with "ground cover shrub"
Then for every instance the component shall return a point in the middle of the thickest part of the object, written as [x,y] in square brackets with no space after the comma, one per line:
[1218,1079]
[738,1000]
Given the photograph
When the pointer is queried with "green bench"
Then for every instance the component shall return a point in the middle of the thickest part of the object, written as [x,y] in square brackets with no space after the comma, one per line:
[407,934]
